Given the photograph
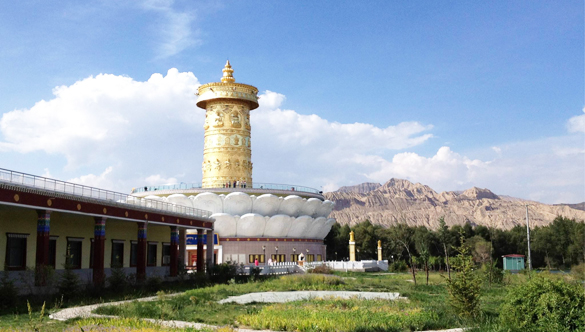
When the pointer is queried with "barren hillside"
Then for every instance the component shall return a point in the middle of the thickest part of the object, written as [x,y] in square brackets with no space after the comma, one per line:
[416,204]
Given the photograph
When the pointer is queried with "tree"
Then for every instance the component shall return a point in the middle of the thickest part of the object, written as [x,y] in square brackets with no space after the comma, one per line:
[404,235]
[444,237]
[465,287]
[422,238]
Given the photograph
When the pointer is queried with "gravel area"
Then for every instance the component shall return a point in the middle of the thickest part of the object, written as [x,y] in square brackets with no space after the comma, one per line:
[280,297]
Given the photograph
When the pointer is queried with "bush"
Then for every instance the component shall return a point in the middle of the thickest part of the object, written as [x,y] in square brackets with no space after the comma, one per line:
[153,283]
[543,304]
[118,280]
[224,272]
[68,283]
[465,287]
[322,269]
[398,266]
[579,271]
[8,292]
[497,274]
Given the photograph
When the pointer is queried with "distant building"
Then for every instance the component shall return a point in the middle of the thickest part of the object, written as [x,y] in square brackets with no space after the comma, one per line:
[513,262]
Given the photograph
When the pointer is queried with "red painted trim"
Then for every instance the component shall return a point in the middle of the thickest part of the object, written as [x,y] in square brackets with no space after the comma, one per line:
[513,255]
[268,239]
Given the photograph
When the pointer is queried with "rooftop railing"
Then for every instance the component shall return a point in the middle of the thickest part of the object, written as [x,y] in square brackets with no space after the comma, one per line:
[112,197]
[186,186]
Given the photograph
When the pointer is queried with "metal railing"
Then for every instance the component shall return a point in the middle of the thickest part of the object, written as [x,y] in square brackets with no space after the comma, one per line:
[186,186]
[112,197]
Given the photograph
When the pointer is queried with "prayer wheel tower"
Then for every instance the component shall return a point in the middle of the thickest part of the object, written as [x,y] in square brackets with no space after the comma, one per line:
[227,149]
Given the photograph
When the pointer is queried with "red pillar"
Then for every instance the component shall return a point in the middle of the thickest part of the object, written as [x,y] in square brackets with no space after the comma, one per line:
[200,259]
[99,245]
[42,251]
[141,253]
[174,268]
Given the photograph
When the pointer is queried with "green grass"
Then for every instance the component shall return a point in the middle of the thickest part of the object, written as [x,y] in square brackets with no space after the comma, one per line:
[426,308]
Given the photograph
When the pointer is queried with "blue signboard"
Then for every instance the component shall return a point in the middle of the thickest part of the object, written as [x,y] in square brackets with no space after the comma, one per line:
[192,239]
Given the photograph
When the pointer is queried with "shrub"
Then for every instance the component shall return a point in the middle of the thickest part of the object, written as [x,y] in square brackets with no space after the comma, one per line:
[118,280]
[398,266]
[153,283]
[8,292]
[222,273]
[68,283]
[322,269]
[497,274]
[579,271]
[543,304]
[465,287]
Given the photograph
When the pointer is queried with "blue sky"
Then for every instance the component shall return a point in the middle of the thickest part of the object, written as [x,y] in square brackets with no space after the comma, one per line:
[449,94]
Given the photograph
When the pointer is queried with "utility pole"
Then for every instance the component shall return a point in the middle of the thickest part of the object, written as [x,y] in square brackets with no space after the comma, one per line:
[528,238]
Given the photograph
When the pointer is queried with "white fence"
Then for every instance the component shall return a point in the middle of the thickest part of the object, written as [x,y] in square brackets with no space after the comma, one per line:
[357,266]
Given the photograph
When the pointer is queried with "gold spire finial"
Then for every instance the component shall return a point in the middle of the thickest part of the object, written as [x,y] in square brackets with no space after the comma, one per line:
[228,73]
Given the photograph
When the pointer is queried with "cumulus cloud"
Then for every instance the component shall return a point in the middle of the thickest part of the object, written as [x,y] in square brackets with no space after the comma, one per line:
[118,133]
[102,180]
[576,124]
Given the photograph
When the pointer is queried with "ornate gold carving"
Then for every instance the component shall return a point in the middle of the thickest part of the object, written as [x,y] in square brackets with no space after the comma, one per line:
[217,165]
[16,198]
[49,202]
[228,165]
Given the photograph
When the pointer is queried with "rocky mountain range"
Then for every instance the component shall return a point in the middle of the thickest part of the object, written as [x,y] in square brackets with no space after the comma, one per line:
[401,201]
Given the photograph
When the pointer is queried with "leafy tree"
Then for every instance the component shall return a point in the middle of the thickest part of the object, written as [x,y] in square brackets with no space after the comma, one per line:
[465,287]
[404,235]
[445,241]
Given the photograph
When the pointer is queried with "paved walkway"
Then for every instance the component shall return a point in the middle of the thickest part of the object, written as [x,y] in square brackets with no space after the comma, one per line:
[86,311]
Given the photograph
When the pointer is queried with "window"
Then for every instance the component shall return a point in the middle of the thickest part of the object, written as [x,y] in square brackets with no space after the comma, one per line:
[117,253]
[310,257]
[74,252]
[16,251]
[294,257]
[278,258]
[253,258]
[53,251]
[151,254]
[166,254]
[133,253]
[319,258]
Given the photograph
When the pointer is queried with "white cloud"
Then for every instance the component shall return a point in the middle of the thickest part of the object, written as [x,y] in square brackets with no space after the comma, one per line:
[175,29]
[576,124]
[157,179]
[93,180]
[133,133]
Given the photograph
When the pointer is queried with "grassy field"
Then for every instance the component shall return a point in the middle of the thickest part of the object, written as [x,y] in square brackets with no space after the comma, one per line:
[426,308]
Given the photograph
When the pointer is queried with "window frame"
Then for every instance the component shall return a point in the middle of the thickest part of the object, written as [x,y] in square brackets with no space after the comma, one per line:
[53,251]
[115,243]
[68,260]
[10,237]
[148,245]
[133,253]
[166,245]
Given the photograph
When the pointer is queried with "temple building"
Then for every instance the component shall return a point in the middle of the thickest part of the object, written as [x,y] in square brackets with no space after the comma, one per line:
[252,220]
[47,223]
